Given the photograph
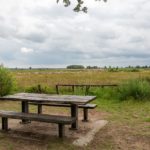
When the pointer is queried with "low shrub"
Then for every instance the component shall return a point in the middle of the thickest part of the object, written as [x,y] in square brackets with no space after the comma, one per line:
[7,82]
[138,89]
[104,93]
[39,89]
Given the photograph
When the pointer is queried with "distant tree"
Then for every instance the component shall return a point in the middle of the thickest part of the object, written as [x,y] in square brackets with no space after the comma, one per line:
[92,67]
[75,67]
[146,66]
[79,6]
[1,65]
[105,67]
[137,66]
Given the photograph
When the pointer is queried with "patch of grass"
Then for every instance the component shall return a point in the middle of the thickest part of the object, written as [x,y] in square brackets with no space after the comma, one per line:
[147,119]
[39,89]
[126,118]
[138,89]
[104,93]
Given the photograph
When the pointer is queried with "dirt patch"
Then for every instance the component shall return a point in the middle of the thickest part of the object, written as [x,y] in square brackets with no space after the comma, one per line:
[43,132]
[85,139]
[44,136]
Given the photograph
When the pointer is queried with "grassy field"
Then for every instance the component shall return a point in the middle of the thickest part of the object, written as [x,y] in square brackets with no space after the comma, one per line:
[129,121]
[50,78]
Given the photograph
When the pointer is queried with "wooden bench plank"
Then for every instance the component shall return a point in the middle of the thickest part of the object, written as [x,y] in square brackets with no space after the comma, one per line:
[38,117]
[60,120]
[89,106]
[85,108]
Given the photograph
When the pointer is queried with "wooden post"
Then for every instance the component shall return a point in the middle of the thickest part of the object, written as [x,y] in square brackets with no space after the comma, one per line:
[73,89]
[39,88]
[4,123]
[25,109]
[39,108]
[87,89]
[57,89]
[74,113]
[85,115]
[61,130]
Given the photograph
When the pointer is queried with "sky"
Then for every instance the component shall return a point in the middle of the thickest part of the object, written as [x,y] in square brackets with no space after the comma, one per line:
[42,33]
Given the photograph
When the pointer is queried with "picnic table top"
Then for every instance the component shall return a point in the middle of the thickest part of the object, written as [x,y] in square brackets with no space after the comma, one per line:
[34,97]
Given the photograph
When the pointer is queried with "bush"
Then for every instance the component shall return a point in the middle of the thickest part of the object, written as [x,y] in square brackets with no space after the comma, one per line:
[39,89]
[104,93]
[6,82]
[136,89]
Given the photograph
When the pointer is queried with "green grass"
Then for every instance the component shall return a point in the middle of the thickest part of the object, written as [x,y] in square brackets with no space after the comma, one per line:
[128,119]
[120,114]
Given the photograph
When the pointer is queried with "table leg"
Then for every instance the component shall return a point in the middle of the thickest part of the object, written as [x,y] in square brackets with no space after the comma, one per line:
[39,108]
[25,109]
[74,113]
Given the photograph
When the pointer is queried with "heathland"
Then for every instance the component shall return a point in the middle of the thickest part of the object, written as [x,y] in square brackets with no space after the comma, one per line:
[129,118]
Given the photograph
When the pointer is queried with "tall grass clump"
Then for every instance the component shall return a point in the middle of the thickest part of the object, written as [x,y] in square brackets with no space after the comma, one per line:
[39,89]
[7,82]
[138,89]
[104,93]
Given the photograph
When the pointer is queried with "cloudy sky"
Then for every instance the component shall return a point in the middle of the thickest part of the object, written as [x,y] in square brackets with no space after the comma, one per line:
[41,33]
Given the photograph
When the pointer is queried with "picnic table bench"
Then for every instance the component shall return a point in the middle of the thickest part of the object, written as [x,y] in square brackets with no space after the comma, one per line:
[26,98]
[86,86]
[60,120]
[85,108]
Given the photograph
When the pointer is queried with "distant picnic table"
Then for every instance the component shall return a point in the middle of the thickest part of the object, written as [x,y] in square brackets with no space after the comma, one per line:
[86,86]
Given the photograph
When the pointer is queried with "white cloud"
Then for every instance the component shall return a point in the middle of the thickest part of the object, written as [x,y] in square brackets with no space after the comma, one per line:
[26,50]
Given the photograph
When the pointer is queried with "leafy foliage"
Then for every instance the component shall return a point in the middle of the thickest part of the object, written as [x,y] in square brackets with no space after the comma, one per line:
[75,67]
[39,89]
[6,81]
[79,6]
[138,89]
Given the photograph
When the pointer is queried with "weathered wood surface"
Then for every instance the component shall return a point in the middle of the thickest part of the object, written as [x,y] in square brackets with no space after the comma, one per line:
[89,106]
[97,85]
[60,120]
[87,86]
[64,99]
[85,108]
[38,117]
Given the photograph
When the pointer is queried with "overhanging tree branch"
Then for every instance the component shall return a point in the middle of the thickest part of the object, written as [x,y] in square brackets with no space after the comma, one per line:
[79,6]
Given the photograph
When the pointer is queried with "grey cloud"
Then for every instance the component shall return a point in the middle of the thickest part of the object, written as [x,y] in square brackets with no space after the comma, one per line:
[34,37]
[111,33]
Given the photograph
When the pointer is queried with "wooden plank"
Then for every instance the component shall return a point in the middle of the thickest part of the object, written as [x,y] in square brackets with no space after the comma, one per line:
[37,117]
[89,106]
[34,97]
[98,85]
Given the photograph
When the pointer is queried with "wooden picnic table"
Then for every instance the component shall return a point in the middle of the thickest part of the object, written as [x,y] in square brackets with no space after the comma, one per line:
[73,100]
